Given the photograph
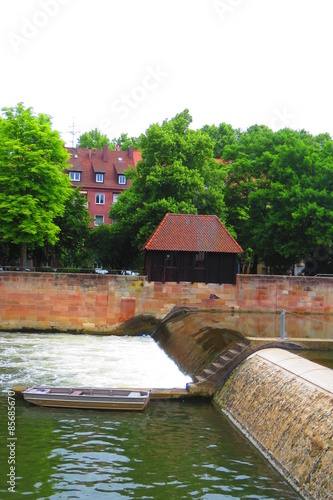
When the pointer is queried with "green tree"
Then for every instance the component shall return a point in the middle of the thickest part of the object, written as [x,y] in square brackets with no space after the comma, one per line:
[279,194]
[99,246]
[106,246]
[33,187]
[248,162]
[94,139]
[178,174]
[9,253]
[222,136]
[124,142]
[294,210]
[71,250]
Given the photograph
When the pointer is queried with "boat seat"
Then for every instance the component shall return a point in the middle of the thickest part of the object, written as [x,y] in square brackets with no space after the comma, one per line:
[76,393]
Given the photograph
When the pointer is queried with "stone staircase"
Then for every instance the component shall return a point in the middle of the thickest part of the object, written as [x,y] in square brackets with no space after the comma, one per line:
[220,368]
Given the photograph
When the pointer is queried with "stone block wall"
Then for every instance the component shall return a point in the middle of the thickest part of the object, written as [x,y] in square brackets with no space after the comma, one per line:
[80,302]
[286,416]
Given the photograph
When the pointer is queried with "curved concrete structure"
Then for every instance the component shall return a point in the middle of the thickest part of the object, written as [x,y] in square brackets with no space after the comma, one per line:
[284,405]
[193,338]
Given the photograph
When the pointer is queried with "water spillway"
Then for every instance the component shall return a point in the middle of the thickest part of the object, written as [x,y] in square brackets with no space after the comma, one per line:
[281,402]
[193,338]
[284,405]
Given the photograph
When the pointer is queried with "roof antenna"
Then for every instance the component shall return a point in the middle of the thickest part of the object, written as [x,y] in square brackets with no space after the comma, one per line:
[74,133]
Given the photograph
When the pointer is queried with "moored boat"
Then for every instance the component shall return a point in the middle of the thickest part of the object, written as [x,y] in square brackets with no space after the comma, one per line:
[87,398]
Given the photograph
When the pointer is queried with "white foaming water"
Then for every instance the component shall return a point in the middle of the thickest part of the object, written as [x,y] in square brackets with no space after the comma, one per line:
[85,360]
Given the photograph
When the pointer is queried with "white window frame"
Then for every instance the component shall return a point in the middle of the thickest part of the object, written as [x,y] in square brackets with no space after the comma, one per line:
[75,176]
[121,179]
[99,178]
[115,197]
[99,223]
[100,199]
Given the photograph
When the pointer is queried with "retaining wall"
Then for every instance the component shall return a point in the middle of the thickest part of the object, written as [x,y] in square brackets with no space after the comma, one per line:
[284,406]
[97,303]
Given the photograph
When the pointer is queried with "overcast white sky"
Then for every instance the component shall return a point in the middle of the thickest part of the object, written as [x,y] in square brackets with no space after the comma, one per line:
[120,65]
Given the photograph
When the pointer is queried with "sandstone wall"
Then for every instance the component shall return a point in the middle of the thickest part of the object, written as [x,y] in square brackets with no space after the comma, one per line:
[286,415]
[97,303]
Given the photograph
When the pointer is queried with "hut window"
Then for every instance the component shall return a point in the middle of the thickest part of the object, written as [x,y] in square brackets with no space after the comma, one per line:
[200,259]
[170,259]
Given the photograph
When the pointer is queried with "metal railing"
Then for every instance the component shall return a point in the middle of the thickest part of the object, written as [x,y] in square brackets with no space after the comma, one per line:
[50,269]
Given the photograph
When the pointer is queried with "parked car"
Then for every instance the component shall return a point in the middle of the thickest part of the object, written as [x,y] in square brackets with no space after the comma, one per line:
[99,270]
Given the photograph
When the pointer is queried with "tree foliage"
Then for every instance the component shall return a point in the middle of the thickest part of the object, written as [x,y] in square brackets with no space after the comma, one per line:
[123,142]
[279,194]
[178,174]
[110,248]
[33,188]
[71,250]
[94,139]
[222,136]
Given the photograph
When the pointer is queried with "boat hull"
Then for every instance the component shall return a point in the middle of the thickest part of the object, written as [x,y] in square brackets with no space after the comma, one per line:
[85,398]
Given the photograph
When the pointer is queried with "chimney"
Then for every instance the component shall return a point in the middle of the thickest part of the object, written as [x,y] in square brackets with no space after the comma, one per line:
[130,152]
[89,153]
[105,152]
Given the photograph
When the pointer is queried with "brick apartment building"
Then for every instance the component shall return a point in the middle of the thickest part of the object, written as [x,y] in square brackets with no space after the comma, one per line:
[101,176]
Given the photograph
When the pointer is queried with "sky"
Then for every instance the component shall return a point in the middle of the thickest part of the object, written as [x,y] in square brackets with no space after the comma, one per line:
[121,65]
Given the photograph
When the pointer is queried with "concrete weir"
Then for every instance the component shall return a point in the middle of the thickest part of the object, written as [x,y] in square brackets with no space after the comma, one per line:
[284,406]
[281,402]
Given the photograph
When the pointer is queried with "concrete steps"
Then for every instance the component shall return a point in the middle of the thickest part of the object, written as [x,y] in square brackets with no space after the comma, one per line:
[221,367]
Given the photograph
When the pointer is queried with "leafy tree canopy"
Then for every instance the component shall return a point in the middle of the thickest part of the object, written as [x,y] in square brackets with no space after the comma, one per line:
[279,193]
[33,187]
[71,249]
[124,142]
[94,140]
[106,246]
[222,136]
[178,174]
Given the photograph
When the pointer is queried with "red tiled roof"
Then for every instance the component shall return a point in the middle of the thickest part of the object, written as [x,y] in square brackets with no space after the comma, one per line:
[99,169]
[90,162]
[120,167]
[192,233]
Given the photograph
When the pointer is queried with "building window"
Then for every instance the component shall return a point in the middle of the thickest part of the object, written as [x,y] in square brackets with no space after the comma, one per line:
[99,199]
[121,179]
[75,176]
[115,197]
[84,195]
[99,177]
[200,259]
[98,220]
[171,259]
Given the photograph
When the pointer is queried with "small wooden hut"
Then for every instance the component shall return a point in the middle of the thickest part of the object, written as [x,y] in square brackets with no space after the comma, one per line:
[193,248]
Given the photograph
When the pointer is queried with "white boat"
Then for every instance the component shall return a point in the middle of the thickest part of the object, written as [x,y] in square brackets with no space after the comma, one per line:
[87,398]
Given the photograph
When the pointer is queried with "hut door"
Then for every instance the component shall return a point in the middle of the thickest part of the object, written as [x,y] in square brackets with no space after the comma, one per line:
[171,269]
[157,266]
[186,264]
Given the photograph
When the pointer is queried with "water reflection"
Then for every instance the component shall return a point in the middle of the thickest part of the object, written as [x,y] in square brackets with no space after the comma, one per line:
[173,449]
[310,326]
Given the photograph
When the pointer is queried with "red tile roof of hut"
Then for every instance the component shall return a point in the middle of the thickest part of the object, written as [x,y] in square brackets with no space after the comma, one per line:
[192,233]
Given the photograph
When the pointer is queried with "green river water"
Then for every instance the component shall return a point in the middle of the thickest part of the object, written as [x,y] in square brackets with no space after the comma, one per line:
[171,450]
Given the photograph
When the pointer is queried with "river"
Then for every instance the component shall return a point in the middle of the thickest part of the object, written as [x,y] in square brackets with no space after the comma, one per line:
[172,450]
